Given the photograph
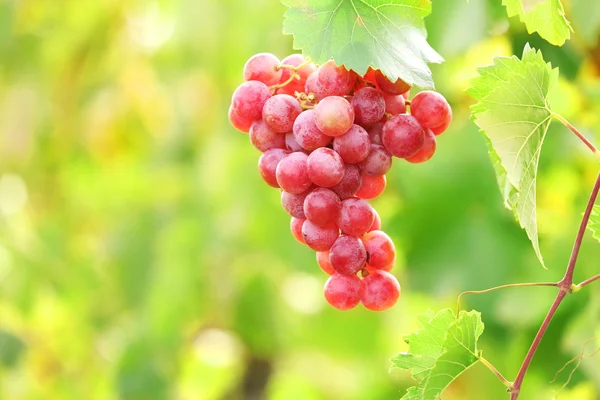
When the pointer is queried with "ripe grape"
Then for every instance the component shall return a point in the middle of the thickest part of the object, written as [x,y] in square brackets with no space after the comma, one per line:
[343,291]
[249,98]
[378,162]
[240,123]
[372,187]
[438,130]
[403,136]
[292,173]
[356,216]
[306,132]
[262,67]
[394,104]
[333,80]
[380,249]
[375,132]
[280,111]
[267,165]
[325,167]
[291,144]
[376,222]
[354,145]
[293,204]
[381,290]
[323,261]
[369,106]
[297,84]
[310,87]
[347,255]
[319,238]
[263,138]
[430,108]
[296,228]
[390,87]
[334,115]
[426,151]
[322,206]
[350,183]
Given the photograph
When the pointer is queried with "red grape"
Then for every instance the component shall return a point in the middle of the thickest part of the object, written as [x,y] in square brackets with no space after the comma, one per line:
[296,85]
[343,292]
[267,165]
[426,151]
[394,104]
[403,136]
[381,291]
[323,261]
[291,144]
[263,138]
[293,204]
[350,183]
[390,87]
[311,86]
[347,255]
[334,115]
[430,108]
[306,132]
[296,228]
[356,216]
[280,111]
[375,132]
[376,222]
[249,98]
[325,167]
[354,145]
[333,80]
[319,238]
[369,106]
[378,162]
[292,173]
[380,249]
[372,187]
[240,123]
[438,130]
[322,206]
[262,67]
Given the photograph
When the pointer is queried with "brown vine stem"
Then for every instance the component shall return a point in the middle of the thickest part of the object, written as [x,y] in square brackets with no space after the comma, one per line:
[565,286]
[587,282]
[577,133]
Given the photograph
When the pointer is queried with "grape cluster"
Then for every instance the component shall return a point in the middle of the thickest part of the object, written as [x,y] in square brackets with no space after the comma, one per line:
[328,137]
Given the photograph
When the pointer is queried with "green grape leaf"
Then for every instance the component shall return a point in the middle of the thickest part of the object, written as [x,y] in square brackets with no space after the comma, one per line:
[513,114]
[443,349]
[388,35]
[546,17]
[594,224]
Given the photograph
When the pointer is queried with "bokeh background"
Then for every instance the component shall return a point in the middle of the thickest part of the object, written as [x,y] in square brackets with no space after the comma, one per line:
[142,257]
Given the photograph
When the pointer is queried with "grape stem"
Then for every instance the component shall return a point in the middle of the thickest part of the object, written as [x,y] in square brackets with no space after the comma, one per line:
[566,123]
[491,367]
[294,75]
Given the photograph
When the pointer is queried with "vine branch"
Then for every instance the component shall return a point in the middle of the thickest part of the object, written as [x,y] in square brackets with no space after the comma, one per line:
[566,123]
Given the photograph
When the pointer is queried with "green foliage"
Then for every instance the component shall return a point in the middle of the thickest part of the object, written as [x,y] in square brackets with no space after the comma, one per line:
[514,115]
[388,35]
[594,224]
[547,17]
[585,15]
[11,349]
[443,349]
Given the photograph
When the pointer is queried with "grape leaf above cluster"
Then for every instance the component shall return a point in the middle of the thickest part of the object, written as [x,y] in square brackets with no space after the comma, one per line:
[594,224]
[514,115]
[443,349]
[546,17]
[389,35]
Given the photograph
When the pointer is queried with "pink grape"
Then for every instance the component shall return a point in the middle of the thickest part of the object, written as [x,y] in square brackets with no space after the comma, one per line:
[334,115]
[322,206]
[291,144]
[262,67]
[375,132]
[389,87]
[350,183]
[376,222]
[356,216]
[403,136]
[438,130]
[333,80]
[378,162]
[325,167]
[380,249]
[249,98]
[372,187]
[280,111]
[429,108]
[296,228]
[296,85]
[267,165]
[292,173]
[293,204]
[343,292]
[394,104]
[323,261]
[369,106]
[263,138]
[311,86]
[306,132]
[426,151]
[381,291]
[240,123]
[319,238]
[347,255]
[354,145]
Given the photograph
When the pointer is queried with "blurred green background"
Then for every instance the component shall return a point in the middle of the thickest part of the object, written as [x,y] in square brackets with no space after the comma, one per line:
[142,256]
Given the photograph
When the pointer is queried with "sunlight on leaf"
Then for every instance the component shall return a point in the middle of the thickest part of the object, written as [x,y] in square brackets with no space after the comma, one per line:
[514,115]
[443,349]
[546,17]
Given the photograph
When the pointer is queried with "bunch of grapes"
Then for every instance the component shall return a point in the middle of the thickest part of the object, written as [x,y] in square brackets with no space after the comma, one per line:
[328,137]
